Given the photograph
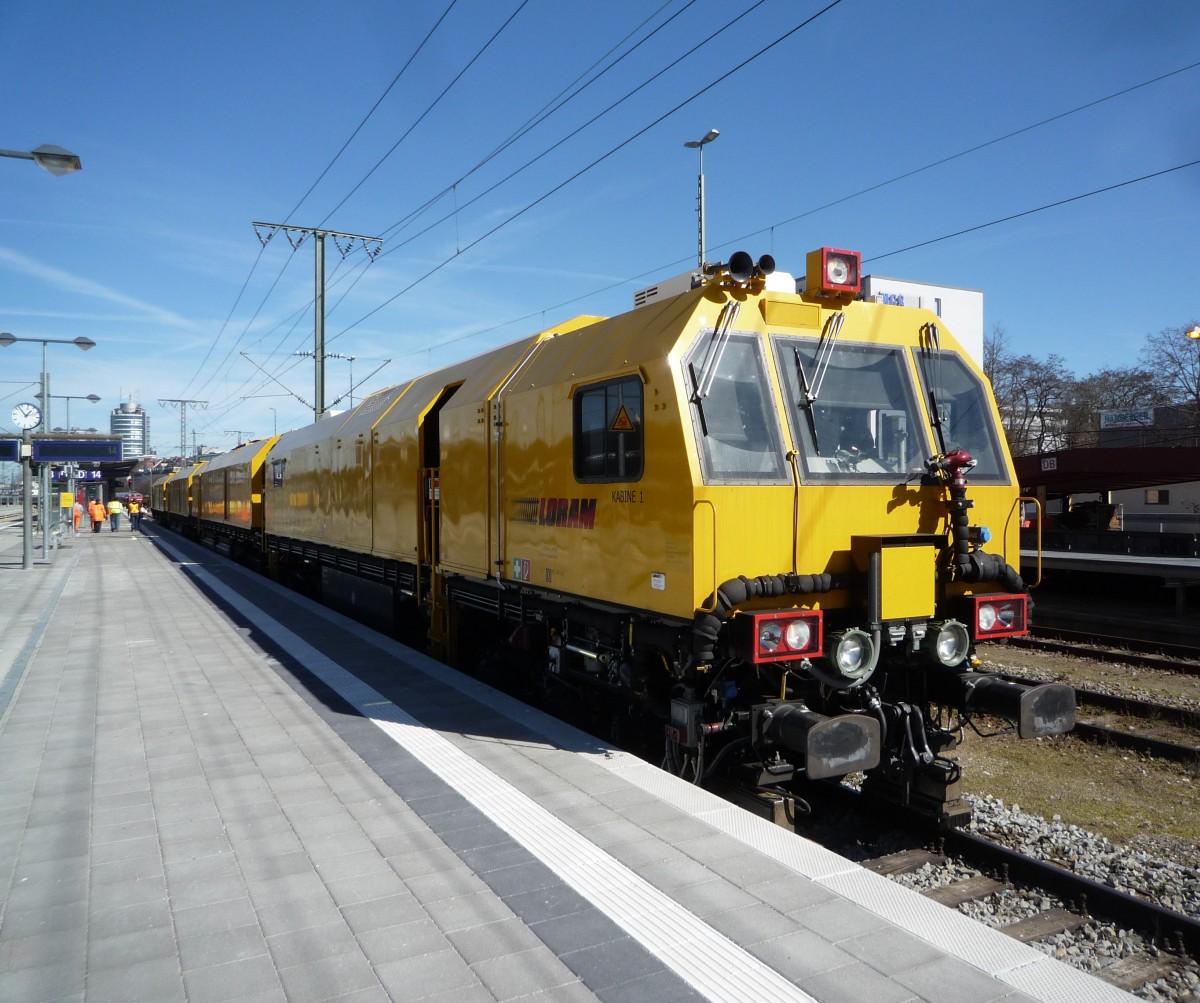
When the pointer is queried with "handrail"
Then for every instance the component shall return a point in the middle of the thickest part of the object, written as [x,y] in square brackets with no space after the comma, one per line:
[1021,501]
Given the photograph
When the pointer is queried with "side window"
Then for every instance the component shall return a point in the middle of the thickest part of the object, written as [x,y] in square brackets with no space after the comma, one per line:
[608,431]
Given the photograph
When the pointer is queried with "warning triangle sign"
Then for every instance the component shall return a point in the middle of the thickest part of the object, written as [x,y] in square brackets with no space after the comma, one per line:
[621,422]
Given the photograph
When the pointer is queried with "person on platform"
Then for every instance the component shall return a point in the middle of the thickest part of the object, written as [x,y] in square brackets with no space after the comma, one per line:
[97,513]
[77,514]
[135,515]
[115,510]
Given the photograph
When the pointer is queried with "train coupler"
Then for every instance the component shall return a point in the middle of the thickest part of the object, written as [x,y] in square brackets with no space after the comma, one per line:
[827,746]
[1040,711]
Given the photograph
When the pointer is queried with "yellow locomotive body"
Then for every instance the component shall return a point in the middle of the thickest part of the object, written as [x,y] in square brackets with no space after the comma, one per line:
[181,497]
[777,522]
[231,486]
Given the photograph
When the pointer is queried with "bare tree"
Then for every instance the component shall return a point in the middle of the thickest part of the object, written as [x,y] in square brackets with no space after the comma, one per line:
[1032,395]
[1174,360]
[1108,388]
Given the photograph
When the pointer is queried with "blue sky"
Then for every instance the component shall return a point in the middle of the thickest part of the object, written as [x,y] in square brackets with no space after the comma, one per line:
[193,121]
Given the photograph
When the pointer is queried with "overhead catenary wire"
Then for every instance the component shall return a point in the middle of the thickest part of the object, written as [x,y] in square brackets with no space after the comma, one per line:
[903,176]
[375,107]
[762,51]
[594,163]
[679,262]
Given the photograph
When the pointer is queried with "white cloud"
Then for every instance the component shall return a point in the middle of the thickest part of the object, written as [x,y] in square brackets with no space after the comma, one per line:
[67,282]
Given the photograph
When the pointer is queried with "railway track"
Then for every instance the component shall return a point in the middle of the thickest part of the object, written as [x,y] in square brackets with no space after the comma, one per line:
[1129,973]
[966,871]
[1137,740]
[1090,643]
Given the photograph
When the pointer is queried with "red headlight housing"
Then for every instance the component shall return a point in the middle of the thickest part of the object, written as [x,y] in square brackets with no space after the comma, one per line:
[832,272]
[781,636]
[999,616]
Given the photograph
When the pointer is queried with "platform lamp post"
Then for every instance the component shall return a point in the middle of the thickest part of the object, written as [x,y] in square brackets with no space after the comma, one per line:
[7,339]
[95,399]
[699,144]
[50,158]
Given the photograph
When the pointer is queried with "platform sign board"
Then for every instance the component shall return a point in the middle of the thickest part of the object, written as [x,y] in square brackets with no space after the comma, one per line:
[76,450]
[9,450]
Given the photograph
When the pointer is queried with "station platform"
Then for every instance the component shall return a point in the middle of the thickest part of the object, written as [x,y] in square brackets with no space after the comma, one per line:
[214,789]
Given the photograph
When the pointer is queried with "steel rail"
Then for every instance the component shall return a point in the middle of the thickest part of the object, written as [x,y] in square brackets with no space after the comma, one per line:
[1177,930]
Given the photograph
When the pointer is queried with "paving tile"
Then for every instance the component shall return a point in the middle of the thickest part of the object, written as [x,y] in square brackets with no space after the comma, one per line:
[466,911]
[43,950]
[351,865]
[494,940]
[577,930]
[801,955]
[154,981]
[328,978]
[296,913]
[39,919]
[662,987]
[948,980]
[426,975]
[311,944]
[125,849]
[520,877]
[612,962]
[206,891]
[365,887]
[519,975]
[285,889]
[219,917]
[380,913]
[46,982]
[129,949]
[233,980]
[854,983]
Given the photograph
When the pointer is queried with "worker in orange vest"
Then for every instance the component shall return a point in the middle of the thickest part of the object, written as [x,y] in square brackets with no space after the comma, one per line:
[97,513]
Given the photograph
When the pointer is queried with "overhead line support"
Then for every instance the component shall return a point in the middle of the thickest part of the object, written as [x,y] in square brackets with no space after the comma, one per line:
[372,245]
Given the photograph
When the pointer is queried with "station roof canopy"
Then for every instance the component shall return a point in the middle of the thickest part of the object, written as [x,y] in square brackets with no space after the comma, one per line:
[1090,471]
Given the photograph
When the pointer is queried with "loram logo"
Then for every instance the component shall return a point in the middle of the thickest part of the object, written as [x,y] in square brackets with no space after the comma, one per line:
[572,513]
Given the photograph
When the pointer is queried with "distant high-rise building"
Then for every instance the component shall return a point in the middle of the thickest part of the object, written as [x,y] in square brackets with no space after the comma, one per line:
[131,422]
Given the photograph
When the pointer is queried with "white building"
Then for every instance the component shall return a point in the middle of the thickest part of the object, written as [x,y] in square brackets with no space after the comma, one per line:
[961,309]
[131,422]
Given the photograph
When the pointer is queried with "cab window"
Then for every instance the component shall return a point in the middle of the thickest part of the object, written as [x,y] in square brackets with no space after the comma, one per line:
[735,423]
[853,411]
[608,431]
[964,412]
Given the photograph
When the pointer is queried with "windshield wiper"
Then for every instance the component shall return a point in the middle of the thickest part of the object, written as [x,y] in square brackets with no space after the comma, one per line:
[810,398]
[933,341]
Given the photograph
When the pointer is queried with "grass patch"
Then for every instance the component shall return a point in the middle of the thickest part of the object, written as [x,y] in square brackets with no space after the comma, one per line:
[1110,791]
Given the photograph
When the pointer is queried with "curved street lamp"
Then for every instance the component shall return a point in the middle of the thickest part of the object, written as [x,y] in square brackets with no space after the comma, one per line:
[50,158]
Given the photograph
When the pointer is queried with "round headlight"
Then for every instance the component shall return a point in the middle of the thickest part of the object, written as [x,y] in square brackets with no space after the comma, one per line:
[798,634]
[770,634]
[986,616]
[853,655]
[837,270]
[952,643]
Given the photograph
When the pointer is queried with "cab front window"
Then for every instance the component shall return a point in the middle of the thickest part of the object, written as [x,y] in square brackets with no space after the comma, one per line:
[852,409]
[964,412]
